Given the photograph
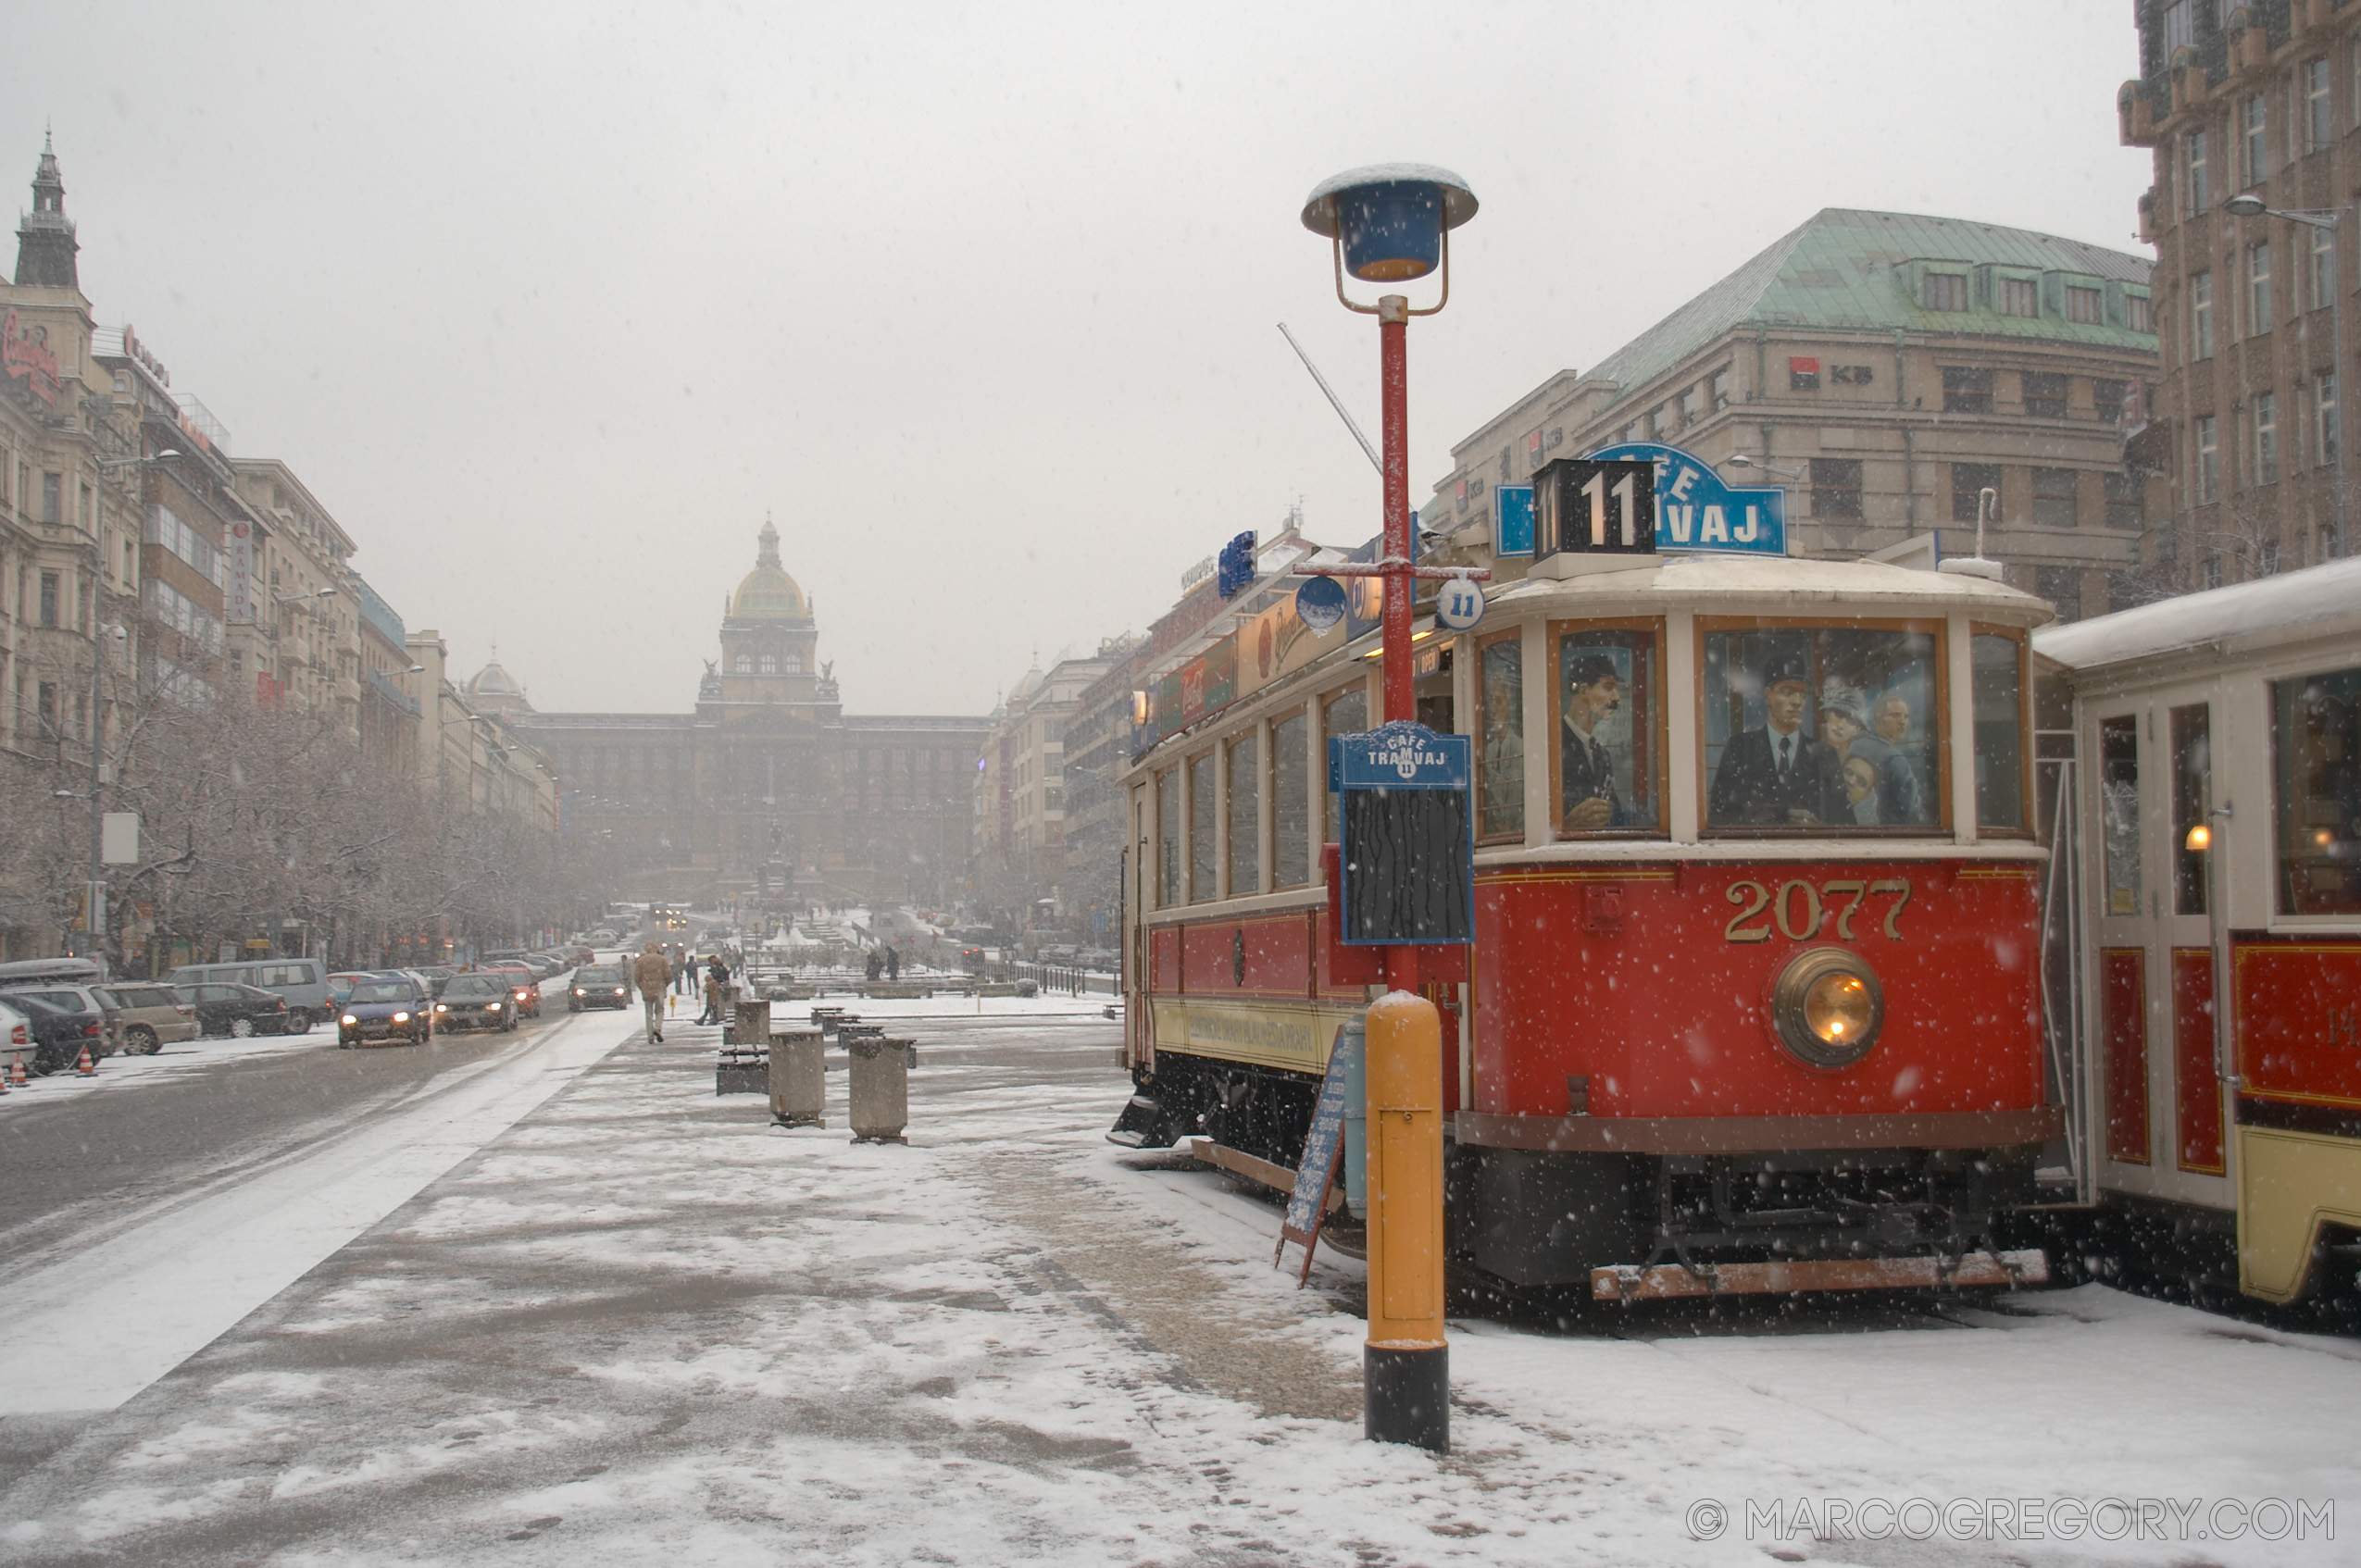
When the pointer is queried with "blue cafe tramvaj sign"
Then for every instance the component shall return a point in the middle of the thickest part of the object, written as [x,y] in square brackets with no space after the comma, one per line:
[1695,511]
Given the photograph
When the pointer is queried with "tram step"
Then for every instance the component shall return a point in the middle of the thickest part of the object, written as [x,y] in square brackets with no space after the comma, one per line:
[1632,1281]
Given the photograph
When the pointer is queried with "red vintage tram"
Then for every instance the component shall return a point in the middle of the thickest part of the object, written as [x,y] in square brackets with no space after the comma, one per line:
[1754,1002]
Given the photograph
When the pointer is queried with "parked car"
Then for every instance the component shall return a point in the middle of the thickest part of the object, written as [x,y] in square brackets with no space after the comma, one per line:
[147,1016]
[78,1001]
[61,1030]
[437,976]
[386,1010]
[598,985]
[223,1008]
[301,981]
[476,1002]
[15,1032]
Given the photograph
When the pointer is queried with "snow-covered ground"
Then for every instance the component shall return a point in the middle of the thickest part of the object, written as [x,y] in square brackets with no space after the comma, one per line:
[179,1057]
[643,1325]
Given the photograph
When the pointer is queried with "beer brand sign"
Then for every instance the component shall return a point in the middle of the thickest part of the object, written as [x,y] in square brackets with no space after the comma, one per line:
[238,592]
[29,359]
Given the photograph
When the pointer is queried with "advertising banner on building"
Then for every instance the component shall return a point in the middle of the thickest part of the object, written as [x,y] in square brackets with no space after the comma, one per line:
[237,594]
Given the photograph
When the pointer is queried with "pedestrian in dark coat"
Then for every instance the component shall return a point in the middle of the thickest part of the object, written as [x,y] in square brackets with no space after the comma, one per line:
[1781,775]
[893,964]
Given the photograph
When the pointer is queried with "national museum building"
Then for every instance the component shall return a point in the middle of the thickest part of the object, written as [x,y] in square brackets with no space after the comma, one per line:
[769,785]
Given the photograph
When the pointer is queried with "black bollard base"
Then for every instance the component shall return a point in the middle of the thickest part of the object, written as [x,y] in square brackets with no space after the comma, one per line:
[1405,1395]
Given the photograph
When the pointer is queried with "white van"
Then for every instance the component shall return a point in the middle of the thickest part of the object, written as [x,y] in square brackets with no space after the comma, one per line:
[303,981]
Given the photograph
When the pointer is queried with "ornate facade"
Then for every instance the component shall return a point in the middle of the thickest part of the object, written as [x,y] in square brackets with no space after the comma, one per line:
[769,785]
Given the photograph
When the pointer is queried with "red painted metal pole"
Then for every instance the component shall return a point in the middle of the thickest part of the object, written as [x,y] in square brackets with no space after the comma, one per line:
[1401,696]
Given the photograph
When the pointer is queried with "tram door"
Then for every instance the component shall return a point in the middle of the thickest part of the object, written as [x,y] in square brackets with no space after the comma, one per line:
[2159,1107]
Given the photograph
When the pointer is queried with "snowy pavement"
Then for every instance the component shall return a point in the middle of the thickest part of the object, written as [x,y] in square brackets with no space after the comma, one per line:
[641,1324]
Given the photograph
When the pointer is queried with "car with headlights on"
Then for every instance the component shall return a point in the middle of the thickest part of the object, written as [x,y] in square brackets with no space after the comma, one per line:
[475,1002]
[383,1011]
[522,981]
[598,985]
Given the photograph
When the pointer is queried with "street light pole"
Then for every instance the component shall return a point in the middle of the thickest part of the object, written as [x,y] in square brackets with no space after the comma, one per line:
[1392,223]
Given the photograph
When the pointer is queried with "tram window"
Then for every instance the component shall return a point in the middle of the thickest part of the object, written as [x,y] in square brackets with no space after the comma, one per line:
[1610,764]
[2315,747]
[1820,728]
[1500,762]
[1204,816]
[1347,712]
[2119,810]
[1167,837]
[2192,791]
[1999,669]
[1291,802]
[1246,838]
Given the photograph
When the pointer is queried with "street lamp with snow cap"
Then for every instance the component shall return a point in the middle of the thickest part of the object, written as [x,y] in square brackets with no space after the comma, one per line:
[1390,223]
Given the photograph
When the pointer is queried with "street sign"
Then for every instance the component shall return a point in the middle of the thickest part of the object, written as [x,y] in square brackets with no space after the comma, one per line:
[1323,1151]
[1695,512]
[1459,603]
[1594,506]
[1320,604]
[1409,861]
[119,838]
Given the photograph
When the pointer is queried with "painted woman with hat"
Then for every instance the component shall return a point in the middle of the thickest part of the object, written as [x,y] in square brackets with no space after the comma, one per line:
[1780,774]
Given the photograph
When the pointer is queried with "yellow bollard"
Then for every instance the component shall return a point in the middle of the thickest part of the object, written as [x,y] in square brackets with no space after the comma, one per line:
[1406,1362]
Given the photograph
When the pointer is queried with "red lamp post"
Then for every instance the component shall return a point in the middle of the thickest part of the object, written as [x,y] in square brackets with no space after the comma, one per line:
[1390,223]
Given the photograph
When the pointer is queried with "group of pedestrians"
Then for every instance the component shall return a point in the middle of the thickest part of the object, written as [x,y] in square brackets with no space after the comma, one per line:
[656,975]
[884,961]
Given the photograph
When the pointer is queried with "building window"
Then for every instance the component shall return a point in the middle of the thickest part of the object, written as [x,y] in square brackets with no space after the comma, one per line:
[49,586]
[2318,122]
[2126,490]
[2139,313]
[2326,439]
[2053,490]
[2083,306]
[793,663]
[1966,389]
[2321,272]
[2201,316]
[2201,190]
[1720,388]
[1969,481]
[745,665]
[1656,422]
[2208,460]
[770,664]
[50,485]
[2062,586]
[2265,438]
[47,697]
[2254,133]
[2106,401]
[2019,296]
[2180,27]
[2258,289]
[2044,392]
[1687,404]
[1836,487]
[1947,291]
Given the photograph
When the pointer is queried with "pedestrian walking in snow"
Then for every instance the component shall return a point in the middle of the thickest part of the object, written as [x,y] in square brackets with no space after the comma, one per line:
[893,964]
[875,965]
[653,975]
[712,1013]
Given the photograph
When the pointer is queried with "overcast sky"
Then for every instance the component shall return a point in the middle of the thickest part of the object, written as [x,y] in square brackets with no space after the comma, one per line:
[549,304]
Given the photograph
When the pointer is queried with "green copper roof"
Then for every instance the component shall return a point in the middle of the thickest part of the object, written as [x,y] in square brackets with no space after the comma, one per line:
[1863,271]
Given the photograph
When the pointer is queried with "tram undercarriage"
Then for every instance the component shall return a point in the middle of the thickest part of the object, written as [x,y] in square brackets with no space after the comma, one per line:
[1640,1227]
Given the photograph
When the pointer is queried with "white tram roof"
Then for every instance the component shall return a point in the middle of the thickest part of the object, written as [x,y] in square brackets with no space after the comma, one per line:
[2316,600]
[1744,584]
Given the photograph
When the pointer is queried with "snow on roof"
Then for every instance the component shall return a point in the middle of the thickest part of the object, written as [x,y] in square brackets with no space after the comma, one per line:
[1788,580]
[2325,593]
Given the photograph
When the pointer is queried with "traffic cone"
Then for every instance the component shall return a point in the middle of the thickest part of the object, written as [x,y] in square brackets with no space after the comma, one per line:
[17,1074]
[84,1066]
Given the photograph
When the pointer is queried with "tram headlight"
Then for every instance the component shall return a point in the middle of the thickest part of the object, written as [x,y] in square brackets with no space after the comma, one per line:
[1827,1007]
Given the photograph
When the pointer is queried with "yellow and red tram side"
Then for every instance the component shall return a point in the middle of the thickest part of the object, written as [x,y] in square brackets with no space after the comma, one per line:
[1700,1042]
[2238,709]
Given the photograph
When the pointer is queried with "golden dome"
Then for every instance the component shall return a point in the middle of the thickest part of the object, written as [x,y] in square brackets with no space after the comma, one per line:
[767,594]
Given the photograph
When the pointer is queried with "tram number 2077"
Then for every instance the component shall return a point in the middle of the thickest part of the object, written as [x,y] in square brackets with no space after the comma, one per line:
[1800,909]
